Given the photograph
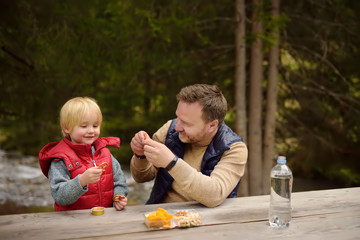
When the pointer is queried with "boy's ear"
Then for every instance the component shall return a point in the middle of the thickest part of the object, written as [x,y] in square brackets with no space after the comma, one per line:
[65,129]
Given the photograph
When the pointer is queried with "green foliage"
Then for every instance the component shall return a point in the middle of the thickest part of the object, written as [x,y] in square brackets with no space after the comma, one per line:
[134,56]
[322,86]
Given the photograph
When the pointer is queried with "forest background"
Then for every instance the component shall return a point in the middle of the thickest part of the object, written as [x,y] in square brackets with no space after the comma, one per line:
[133,57]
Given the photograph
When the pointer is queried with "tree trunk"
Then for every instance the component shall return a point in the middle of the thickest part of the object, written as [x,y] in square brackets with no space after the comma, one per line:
[255,103]
[240,82]
[271,103]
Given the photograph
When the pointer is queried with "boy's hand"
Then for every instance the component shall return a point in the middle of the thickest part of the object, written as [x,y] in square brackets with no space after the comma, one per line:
[120,205]
[91,175]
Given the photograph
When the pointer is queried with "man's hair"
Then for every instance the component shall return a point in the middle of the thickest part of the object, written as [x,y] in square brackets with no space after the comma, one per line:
[209,96]
[73,111]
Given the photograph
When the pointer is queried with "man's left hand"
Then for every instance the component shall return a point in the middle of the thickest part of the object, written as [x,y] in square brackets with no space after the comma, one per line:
[157,153]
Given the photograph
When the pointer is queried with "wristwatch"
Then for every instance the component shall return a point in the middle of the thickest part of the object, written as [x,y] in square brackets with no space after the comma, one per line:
[139,157]
[172,163]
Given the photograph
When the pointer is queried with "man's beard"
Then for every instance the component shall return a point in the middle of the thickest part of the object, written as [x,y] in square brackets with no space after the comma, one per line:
[186,139]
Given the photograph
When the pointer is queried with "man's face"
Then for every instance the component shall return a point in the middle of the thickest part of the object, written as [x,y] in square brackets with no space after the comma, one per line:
[190,124]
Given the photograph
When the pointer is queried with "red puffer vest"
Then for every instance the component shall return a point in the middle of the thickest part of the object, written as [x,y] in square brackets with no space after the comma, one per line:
[78,158]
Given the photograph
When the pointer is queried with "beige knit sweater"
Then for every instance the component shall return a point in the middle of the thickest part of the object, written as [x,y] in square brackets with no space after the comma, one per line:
[189,183]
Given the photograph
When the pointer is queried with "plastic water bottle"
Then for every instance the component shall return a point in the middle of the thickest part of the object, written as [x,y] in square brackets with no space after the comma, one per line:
[280,194]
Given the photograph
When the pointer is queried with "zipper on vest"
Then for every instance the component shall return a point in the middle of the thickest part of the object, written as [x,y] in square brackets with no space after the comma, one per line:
[99,185]
[100,192]
[93,162]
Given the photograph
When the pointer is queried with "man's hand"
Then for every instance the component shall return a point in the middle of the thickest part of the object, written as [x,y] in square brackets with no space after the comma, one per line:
[157,153]
[137,143]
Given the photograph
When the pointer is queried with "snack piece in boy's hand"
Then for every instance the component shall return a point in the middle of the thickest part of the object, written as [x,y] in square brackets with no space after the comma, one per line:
[117,198]
[103,166]
[159,219]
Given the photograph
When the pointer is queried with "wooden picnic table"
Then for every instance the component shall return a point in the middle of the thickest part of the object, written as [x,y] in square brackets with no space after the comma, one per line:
[325,214]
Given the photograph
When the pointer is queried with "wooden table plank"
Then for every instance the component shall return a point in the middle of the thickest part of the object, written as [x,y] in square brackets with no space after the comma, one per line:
[328,213]
[312,227]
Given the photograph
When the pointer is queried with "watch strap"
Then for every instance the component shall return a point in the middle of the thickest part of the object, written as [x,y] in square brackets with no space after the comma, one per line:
[172,163]
[140,157]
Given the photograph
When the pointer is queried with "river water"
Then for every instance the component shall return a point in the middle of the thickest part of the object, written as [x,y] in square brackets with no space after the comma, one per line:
[23,183]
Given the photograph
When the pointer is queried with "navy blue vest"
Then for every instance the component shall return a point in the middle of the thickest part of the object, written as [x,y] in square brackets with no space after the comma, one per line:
[221,142]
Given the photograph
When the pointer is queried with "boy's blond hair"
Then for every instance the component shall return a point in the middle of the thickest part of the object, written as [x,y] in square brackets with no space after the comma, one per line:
[73,111]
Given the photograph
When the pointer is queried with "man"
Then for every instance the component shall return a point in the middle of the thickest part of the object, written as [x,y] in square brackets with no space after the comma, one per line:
[194,157]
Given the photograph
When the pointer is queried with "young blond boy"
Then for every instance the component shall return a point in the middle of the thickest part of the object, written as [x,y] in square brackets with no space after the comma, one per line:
[73,165]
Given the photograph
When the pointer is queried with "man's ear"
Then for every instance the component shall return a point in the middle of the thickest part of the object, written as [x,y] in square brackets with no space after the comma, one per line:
[213,126]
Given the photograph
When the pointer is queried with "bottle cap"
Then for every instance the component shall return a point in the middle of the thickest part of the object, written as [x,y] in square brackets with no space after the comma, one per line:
[281,159]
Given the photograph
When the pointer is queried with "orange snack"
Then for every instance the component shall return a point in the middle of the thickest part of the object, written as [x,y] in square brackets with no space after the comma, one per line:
[117,198]
[103,166]
[160,219]
[145,136]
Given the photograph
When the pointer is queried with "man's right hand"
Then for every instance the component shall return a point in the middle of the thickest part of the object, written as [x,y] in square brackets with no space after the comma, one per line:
[137,143]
